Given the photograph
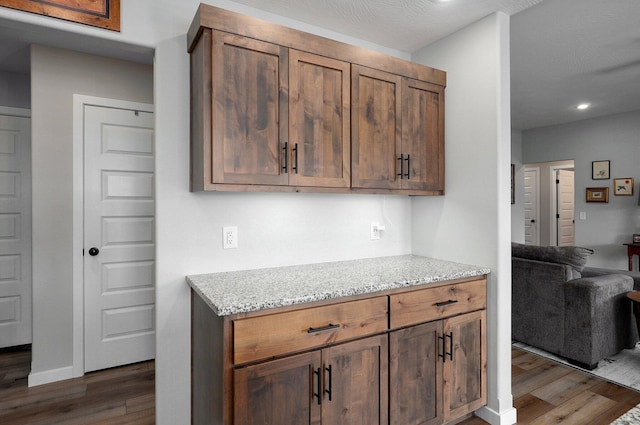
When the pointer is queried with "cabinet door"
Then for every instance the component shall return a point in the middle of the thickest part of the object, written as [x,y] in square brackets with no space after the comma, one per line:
[320,121]
[423,136]
[415,375]
[464,371]
[279,392]
[376,137]
[356,382]
[250,111]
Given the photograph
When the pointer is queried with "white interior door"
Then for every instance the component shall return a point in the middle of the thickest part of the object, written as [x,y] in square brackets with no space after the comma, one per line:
[531,207]
[15,231]
[119,237]
[565,216]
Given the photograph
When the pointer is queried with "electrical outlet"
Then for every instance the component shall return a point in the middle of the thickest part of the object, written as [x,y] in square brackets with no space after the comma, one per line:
[375,230]
[229,237]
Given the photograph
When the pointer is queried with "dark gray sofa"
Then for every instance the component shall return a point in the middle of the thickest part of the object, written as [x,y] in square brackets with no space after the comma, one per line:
[565,309]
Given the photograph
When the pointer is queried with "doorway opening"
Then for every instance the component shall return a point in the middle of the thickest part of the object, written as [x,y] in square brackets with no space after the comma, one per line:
[550,202]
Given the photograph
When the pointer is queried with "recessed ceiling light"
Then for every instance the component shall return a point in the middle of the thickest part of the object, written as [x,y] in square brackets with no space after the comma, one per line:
[583,106]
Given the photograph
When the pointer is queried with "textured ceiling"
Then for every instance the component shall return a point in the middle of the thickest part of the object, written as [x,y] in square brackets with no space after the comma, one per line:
[405,25]
[564,52]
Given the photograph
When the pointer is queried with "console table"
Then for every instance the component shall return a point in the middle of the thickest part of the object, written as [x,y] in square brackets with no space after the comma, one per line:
[632,249]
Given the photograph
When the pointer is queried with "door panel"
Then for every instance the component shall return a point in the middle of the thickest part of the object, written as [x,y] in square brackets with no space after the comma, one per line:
[565,222]
[376,139]
[464,383]
[250,113]
[120,222]
[15,231]
[422,139]
[278,392]
[531,208]
[356,382]
[415,375]
[320,121]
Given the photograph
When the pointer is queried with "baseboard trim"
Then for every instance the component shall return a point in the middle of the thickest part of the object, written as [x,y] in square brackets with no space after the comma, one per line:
[48,376]
[494,418]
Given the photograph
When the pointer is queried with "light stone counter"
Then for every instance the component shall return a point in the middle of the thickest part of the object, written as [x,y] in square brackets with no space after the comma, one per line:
[251,290]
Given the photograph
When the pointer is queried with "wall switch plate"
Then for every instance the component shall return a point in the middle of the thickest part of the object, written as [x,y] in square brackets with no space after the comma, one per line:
[229,237]
[583,215]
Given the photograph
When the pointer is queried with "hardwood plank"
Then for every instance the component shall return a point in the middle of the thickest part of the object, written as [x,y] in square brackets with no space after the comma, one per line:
[578,410]
[565,395]
[565,388]
[530,407]
[123,395]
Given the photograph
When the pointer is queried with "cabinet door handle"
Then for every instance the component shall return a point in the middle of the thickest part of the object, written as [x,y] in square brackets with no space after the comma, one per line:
[442,356]
[329,385]
[316,374]
[285,148]
[408,175]
[443,303]
[450,353]
[324,328]
[295,158]
[401,173]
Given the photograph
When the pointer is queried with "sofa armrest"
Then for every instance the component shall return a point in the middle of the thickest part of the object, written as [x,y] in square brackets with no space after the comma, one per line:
[597,271]
[537,303]
[597,317]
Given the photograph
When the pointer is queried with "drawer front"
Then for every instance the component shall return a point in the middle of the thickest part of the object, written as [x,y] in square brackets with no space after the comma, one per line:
[429,304]
[260,337]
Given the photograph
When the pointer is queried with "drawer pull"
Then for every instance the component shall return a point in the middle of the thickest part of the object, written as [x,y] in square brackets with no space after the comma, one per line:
[443,303]
[318,379]
[330,386]
[324,328]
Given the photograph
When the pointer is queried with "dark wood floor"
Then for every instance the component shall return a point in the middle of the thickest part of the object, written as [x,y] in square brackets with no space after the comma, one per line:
[544,392]
[547,392]
[124,395]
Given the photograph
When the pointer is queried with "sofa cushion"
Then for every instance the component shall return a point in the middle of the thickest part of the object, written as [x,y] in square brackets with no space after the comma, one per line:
[573,256]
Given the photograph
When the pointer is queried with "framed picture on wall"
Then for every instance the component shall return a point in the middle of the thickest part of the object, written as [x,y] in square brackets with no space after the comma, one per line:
[103,14]
[623,186]
[600,170]
[598,194]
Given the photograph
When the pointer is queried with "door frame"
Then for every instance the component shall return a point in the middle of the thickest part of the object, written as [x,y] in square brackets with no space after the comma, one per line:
[79,102]
[553,201]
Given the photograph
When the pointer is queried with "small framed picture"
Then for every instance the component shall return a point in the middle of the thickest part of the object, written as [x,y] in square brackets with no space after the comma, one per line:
[598,194]
[636,238]
[623,186]
[600,170]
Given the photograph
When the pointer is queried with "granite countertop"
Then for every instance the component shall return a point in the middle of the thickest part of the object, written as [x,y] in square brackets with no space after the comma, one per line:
[252,290]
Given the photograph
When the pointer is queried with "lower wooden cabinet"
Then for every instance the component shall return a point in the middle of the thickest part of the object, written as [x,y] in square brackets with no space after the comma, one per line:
[402,357]
[340,385]
[437,370]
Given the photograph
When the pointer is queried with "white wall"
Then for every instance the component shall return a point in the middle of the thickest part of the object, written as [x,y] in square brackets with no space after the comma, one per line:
[472,222]
[14,90]
[614,138]
[55,76]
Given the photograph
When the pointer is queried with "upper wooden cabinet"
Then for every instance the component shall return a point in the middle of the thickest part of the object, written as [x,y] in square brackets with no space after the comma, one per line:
[276,109]
[319,121]
[397,132]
